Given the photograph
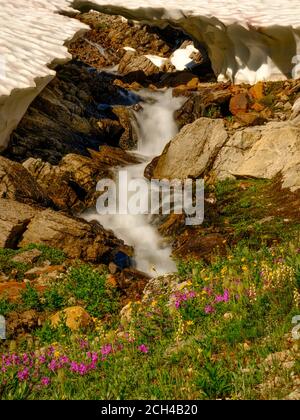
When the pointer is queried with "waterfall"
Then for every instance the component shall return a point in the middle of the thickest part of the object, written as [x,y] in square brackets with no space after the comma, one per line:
[155,126]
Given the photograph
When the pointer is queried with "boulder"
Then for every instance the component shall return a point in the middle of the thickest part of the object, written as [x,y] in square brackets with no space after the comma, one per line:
[76,237]
[192,152]
[14,218]
[17,183]
[75,318]
[263,152]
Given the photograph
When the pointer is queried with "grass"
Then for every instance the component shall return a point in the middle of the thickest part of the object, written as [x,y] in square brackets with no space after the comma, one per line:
[9,267]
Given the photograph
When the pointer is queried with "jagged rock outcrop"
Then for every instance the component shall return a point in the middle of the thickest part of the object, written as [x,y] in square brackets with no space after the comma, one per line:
[22,224]
[72,183]
[14,219]
[17,183]
[134,63]
[75,111]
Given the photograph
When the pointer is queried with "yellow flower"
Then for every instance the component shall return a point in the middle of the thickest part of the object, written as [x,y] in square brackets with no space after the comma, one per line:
[245,268]
[154,303]
[190,322]
[56,354]
[243,259]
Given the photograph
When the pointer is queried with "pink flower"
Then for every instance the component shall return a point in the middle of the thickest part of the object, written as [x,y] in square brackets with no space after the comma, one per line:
[23,375]
[143,348]
[42,359]
[83,344]
[226,296]
[208,309]
[106,349]
[45,381]
[53,365]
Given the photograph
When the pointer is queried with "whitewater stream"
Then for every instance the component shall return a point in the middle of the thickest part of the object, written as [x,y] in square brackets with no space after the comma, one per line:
[155,128]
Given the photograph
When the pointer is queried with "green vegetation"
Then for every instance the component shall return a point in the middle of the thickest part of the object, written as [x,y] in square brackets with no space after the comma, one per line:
[218,329]
[206,336]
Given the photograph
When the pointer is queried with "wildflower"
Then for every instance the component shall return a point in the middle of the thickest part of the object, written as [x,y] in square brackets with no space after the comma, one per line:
[42,359]
[56,354]
[244,268]
[23,375]
[226,296]
[296,296]
[83,344]
[53,366]
[208,309]
[219,298]
[45,381]
[106,349]
[142,348]
[190,322]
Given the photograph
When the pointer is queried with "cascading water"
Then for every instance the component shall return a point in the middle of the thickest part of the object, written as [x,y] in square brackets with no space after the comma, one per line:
[156,126]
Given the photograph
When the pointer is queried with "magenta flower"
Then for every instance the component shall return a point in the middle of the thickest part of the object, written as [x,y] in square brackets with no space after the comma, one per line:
[106,349]
[45,381]
[83,344]
[143,348]
[226,296]
[53,366]
[23,375]
[208,309]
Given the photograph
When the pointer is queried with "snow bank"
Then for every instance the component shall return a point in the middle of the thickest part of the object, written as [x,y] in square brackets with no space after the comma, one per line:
[246,41]
[32,39]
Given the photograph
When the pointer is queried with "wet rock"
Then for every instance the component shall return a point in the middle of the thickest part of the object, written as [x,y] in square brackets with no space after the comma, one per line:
[72,120]
[72,183]
[103,46]
[192,152]
[75,317]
